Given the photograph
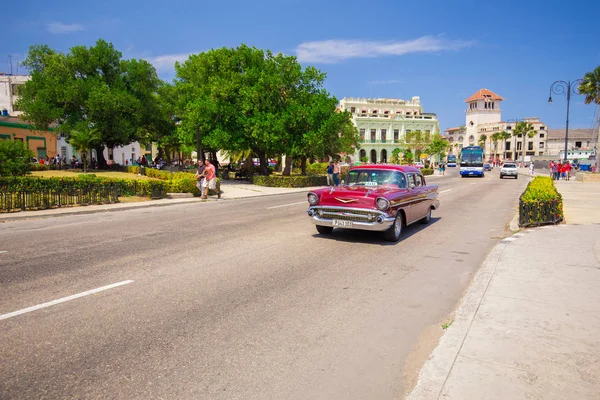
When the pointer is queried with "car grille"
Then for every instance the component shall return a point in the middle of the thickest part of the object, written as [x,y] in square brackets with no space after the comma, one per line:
[347,215]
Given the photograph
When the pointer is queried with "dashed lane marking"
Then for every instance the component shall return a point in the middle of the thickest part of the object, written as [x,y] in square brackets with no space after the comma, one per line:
[3,251]
[62,300]
[287,205]
[444,191]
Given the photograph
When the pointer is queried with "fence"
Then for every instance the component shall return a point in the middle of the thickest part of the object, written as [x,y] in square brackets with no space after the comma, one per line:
[539,213]
[23,200]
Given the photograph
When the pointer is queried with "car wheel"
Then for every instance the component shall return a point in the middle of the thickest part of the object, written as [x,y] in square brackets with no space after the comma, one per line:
[425,220]
[516,176]
[324,230]
[501,176]
[393,234]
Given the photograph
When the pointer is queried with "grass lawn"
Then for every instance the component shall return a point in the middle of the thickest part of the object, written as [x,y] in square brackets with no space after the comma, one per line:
[74,174]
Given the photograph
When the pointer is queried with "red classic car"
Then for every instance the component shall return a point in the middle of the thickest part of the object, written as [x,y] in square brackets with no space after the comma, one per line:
[382,198]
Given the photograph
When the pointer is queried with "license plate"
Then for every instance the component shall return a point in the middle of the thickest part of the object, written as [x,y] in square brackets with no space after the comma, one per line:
[470,173]
[342,223]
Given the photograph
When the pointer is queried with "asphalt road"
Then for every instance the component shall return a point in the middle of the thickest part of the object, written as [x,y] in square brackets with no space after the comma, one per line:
[238,299]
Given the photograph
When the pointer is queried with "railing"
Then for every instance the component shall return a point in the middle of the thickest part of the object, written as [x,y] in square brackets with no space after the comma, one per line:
[23,200]
[381,141]
[540,213]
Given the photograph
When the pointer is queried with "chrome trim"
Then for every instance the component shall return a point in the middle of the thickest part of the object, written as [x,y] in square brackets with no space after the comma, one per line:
[362,219]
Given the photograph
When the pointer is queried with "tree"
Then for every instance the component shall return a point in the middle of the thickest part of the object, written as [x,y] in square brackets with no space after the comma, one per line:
[416,142]
[526,129]
[494,138]
[83,140]
[396,155]
[92,87]
[590,86]
[504,136]
[437,146]
[15,158]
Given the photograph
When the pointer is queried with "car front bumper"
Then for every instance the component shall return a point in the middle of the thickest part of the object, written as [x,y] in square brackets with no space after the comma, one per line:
[379,221]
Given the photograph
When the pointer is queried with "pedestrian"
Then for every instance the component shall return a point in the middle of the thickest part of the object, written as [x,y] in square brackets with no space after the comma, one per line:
[336,173]
[554,169]
[442,168]
[531,168]
[210,178]
[200,175]
[559,171]
[330,174]
[567,170]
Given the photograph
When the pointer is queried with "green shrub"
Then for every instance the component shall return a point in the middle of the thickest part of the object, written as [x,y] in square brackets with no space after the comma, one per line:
[15,158]
[541,188]
[317,168]
[427,171]
[133,169]
[38,167]
[540,203]
[296,181]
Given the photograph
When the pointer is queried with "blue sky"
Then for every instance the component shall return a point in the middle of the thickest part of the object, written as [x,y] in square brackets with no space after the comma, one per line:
[440,50]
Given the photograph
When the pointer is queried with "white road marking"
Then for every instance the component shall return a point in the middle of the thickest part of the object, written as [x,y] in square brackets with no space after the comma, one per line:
[62,300]
[508,240]
[3,251]
[444,191]
[286,205]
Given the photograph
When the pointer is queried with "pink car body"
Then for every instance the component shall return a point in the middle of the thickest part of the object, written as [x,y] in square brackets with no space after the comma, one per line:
[382,198]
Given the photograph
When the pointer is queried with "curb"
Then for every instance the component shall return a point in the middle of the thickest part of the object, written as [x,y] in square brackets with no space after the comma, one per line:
[437,368]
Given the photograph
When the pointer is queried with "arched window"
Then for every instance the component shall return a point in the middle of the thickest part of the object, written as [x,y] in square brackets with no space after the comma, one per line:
[451,140]
[374,156]
[362,154]
[384,156]
[460,139]
[471,139]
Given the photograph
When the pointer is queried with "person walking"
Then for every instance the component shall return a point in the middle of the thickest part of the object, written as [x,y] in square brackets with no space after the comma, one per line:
[442,168]
[330,174]
[554,170]
[531,167]
[567,170]
[210,178]
[336,173]
[200,175]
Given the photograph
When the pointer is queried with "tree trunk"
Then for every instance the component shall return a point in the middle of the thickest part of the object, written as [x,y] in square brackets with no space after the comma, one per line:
[101,160]
[303,165]
[287,169]
[249,164]
[263,163]
[278,165]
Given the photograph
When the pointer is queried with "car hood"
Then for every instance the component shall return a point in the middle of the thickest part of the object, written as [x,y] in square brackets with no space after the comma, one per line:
[354,196]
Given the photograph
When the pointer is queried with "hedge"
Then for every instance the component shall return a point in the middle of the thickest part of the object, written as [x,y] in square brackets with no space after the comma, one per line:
[289,181]
[163,175]
[317,168]
[427,171]
[540,203]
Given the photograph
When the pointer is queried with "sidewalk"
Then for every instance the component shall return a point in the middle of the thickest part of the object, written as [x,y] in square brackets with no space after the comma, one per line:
[528,327]
[229,191]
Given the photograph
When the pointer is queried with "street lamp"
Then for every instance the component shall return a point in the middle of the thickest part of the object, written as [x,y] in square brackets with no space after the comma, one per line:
[562,87]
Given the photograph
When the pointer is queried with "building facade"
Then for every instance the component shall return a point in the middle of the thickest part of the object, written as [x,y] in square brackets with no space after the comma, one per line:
[42,143]
[483,119]
[383,123]
[581,143]
[10,89]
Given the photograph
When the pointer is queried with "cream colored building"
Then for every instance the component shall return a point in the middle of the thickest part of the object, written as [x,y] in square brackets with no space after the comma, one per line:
[10,87]
[483,119]
[382,123]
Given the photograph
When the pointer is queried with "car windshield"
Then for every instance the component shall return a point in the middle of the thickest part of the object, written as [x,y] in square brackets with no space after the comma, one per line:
[510,166]
[370,177]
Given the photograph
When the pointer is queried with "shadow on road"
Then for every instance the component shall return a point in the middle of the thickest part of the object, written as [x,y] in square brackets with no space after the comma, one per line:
[355,235]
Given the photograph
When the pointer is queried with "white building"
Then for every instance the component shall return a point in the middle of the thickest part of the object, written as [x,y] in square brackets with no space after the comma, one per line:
[581,143]
[10,87]
[483,119]
[382,124]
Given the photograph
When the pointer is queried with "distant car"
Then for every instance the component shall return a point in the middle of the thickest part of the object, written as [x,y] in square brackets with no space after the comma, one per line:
[509,169]
[487,167]
[383,198]
[419,165]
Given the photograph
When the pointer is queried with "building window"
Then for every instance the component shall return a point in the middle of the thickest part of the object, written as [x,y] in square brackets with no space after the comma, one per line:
[373,135]
[362,135]
[508,127]
[541,146]
[541,135]
[15,107]
[577,144]
[530,146]
[408,113]
[374,112]
[352,110]
[542,128]
[16,89]
[396,135]
[428,131]
[506,145]
[460,139]
[519,146]
[383,134]
[386,113]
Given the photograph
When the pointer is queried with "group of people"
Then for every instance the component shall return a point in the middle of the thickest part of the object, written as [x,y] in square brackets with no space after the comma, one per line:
[59,162]
[560,170]
[333,173]
[206,178]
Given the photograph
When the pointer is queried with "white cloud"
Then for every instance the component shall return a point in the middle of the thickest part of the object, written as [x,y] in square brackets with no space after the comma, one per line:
[58,27]
[332,51]
[385,82]
[166,62]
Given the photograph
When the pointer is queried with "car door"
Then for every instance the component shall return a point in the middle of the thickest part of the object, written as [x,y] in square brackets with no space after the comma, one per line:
[422,204]
[412,210]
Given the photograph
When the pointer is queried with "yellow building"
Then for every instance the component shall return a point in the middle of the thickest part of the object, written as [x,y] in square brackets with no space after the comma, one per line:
[42,143]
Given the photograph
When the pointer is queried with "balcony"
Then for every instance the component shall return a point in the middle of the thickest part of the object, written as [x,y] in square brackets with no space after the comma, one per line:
[379,141]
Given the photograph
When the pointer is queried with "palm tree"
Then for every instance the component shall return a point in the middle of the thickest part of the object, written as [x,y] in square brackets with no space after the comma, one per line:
[494,138]
[83,140]
[590,86]
[504,136]
[481,142]
[525,129]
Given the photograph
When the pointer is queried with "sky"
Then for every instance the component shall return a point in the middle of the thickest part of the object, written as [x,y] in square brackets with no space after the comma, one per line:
[440,50]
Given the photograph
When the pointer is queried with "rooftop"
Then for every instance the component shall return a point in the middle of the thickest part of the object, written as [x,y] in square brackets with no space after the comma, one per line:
[483,94]
[573,134]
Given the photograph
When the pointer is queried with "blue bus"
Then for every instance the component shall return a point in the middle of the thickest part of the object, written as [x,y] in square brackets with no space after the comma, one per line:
[451,162]
[471,161]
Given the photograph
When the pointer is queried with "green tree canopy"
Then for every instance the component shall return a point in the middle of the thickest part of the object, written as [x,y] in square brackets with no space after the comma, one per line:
[15,158]
[95,87]
[590,86]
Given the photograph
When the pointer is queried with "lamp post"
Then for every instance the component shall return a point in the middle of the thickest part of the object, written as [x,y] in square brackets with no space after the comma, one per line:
[562,87]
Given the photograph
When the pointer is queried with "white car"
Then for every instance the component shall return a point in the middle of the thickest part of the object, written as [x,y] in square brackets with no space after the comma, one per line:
[419,165]
[509,169]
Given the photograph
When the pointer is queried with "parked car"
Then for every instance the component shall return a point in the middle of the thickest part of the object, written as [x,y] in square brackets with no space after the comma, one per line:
[383,198]
[419,165]
[487,167]
[509,169]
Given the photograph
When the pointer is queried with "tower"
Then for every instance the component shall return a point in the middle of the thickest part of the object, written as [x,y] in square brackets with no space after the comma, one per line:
[482,107]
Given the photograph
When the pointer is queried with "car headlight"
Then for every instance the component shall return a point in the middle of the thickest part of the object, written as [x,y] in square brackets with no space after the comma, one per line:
[313,199]
[382,204]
